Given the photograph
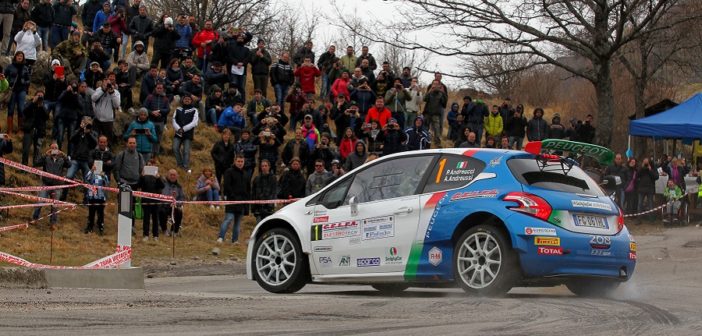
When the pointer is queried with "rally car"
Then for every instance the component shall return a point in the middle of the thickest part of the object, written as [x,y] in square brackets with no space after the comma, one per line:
[486,220]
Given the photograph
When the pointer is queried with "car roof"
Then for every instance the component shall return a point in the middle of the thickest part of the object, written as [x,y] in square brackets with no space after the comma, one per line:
[491,152]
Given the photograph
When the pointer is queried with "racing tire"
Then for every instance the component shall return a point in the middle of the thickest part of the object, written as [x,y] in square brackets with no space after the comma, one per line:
[278,263]
[592,287]
[484,262]
[391,289]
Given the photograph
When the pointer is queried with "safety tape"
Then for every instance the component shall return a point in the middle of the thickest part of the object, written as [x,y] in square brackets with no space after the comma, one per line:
[122,255]
[36,171]
[656,208]
[30,205]
[26,225]
[37,198]
[41,188]
[14,227]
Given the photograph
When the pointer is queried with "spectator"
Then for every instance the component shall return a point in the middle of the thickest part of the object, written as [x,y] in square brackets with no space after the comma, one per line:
[102,153]
[406,77]
[336,170]
[272,115]
[618,169]
[357,77]
[203,41]
[190,69]
[435,101]
[364,97]
[296,148]
[232,118]
[357,158]
[504,142]
[506,110]
[239,57]
[304,52]
[96,199]
[54,161]
[128,165]
[71,112]
[82,141]
[185,120]
[494,124]
[185,33]
[193,88]
[672,194]
[214,106]
[394,138]
[396,99]
[17,74]
[368,74]
[236,187]
[157,105]
[28,41]
[454,126]
[630,193]
[317,179]
[646,185]
[297,100]
[71,52]
[106,101]
[138,62]
[171,187]
[341,114]
[34,127]
[556,130]
[257,105]
[64,12]
[537,128]
[324,151]
[143,130]
[118,24]
[260,62]
[365,55]
[586,132]
[347,143]
[416,99]
[174,77]
[223,154]
[216,76]
[99,18]
[151,217]
[471,140]
[379,113]
[165,37]
[676,172]
[382,84]
[247,147]
[340,87]
[374,136]
[97,55]
[324,64]
[124,85]
[292,182]
[490,142]
[309,132]
[141,27]
[268,145]
[282,77]
[348,61]
[265,187]
[515,129]
[94,75]
[207,187]
[89,12]
[306,74]
[43,15]
[417,136]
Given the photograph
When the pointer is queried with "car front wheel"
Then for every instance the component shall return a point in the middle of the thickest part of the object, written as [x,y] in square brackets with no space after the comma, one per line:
[484,262]
[279,263]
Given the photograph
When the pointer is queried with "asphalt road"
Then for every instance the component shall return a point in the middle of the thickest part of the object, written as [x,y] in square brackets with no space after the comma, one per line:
[664,298]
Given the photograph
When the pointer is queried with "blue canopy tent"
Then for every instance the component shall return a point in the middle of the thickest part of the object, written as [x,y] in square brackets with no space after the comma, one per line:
[681,122]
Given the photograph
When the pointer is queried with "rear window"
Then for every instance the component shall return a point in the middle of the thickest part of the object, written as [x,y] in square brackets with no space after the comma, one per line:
[553,176]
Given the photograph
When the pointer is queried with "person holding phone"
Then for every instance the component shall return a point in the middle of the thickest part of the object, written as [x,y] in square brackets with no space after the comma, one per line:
[54,161]
[143,130]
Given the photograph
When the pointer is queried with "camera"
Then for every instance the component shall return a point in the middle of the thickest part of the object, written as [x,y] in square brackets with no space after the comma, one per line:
[108,86]
[74,87]
[54,152]
[266,134]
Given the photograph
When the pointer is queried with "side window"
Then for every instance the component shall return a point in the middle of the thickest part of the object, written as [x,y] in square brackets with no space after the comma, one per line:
[395,178]
[335,196]
[453,171]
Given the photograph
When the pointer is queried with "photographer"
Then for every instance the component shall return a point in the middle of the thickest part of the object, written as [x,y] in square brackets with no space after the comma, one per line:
[109,42]
[395,138]
[81,143]
[165,37]
[28,41]
[274,112]
[435,100]
[34,127]
[256,106]
[268,145]
[364,97]
[94,74]
[232,118]
[182,45]
[396,99]
[54,162]
[296,147]
[324,151]
[145,133]
[71,111]
[106,100]
[297,100]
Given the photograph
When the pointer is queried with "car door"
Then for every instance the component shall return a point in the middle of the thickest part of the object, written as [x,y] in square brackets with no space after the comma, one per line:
[372,228]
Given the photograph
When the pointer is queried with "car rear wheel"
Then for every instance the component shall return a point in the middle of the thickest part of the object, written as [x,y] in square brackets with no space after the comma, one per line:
[390,288]
[484,262]
[592,287]
[278,262]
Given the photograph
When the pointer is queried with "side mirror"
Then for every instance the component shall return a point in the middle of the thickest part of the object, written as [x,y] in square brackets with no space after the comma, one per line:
[353,203]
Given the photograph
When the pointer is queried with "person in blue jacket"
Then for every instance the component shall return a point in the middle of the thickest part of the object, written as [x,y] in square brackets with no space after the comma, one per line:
[143,130]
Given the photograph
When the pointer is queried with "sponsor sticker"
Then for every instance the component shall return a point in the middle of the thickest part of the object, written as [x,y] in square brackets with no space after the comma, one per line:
[601,253]
[322,248]
[537,231]
[325,262]
[335,230]
[320,219]
[600,242]
[345,261]
[632,255]
[378,227]
[591,205]
[392,256]
[435,256]
[320,212]
[549,250]
[496,161]
[368,262]
[462,164]
[474,194]
[632,246]
[547,241]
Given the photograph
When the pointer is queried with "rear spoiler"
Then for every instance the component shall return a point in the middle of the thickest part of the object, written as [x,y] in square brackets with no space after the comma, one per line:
[603,155]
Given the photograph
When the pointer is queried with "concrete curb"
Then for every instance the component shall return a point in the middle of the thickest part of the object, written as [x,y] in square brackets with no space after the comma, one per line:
[127,278]
[22,278]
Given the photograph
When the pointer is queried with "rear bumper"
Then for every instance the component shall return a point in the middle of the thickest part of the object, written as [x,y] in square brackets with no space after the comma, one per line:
[556,252]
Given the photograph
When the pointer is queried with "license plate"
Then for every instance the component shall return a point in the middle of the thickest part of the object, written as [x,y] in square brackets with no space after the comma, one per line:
[591,221]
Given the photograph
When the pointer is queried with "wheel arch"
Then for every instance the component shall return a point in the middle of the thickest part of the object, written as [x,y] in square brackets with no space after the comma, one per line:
[477,218]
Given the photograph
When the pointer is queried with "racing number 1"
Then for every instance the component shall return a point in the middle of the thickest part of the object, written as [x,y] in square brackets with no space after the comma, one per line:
[442,163]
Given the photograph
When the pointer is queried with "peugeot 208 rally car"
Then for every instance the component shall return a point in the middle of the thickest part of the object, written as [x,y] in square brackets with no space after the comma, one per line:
[484,219]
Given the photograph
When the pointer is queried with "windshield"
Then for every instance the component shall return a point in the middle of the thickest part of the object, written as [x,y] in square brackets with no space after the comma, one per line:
[553,175]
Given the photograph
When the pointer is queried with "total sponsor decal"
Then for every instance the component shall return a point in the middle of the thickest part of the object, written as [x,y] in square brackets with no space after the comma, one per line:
[542,250]
[600,242]
[392,256]
[591,205]
[368,262]
[435,256]
[335,230]
[474,194]
[632,255]
[537,231]
[632,246]
[320,219]
[323,248]
[378,227]
[547,241]
[345,261]
[325,261]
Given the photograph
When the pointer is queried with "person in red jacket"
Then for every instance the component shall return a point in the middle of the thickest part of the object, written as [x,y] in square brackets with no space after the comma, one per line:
[341,85]
[306,73]
[204,40]
[347,143]
[379,113]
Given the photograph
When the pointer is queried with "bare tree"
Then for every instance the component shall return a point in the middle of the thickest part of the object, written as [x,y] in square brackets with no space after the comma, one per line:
[290,32]
[500,73]
[545,29]
[399,58]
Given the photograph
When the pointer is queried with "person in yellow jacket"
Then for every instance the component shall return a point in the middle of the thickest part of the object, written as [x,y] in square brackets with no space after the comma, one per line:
[493,123]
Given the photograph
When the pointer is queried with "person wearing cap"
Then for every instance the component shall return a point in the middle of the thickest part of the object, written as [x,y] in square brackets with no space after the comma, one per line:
[556,130]
[493,123]
[310,132]
[138,61]
[379,113]
[185,119]
[165,36]
[43,15]
[94,75]
[282,77]
[72,53]
[336,170]
[64,12]
[109,42]
[141,27]
[260,62]
[292,182]
[340,87]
